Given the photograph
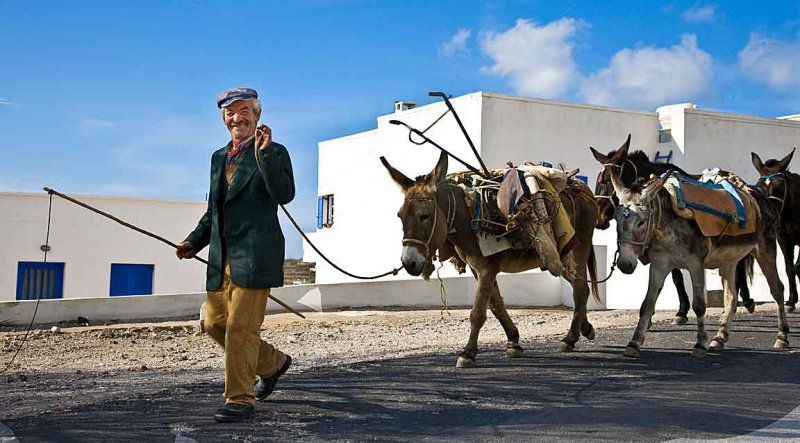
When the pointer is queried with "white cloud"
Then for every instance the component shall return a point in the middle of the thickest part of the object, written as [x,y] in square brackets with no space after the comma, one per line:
[649,76]
[5,101]
[774,63]
[537,60]
[90,125]
[457,44]
[706,14]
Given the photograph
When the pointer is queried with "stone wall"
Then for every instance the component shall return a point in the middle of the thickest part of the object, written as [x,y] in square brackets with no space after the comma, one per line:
[298,272]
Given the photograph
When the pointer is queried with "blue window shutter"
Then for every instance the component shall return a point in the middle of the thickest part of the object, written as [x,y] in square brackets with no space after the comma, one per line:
[131,279]
[320,204]
[40,280]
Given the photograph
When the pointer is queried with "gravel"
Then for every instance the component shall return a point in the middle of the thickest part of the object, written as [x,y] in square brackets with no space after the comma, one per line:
[80,365]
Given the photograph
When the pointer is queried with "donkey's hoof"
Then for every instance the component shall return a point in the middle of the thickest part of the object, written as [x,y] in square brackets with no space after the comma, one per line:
[698,352]
[781,344]
[589,335]
[514,352]
[790,308]
[632,352]
[465,362]
[679,320]
[565,347]
[750,306]
[716,345]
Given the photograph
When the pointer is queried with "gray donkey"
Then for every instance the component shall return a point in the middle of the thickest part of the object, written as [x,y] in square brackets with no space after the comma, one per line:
[649,230]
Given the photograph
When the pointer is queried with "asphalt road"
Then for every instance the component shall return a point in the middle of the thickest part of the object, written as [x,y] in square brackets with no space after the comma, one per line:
[593,394]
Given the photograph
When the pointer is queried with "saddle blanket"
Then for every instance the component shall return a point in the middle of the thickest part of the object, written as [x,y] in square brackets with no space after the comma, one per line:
[718,202]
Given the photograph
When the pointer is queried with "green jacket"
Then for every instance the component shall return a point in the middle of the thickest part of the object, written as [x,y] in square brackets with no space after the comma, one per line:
[253,237]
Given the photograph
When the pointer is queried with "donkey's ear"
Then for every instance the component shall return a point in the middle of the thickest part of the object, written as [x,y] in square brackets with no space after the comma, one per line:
[440,171]
[759,165]
[652,188]
[602,159]
[784,163]
[622,152]
[619,187]
[397,176]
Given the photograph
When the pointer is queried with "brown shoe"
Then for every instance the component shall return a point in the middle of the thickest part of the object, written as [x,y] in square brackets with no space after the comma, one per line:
[264,386]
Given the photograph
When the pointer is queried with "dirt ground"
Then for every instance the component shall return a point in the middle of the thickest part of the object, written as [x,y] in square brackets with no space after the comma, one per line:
[137,360]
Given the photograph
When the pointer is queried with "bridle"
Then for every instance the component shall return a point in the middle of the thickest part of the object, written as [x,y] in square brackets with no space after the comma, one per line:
[651,223]
[767,179]
[450,217]
[610,197]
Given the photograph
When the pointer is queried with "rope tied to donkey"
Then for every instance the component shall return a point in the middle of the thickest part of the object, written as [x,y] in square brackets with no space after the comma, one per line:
[314,247]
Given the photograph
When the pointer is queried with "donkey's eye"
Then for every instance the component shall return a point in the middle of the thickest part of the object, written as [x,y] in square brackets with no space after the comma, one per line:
[424,216]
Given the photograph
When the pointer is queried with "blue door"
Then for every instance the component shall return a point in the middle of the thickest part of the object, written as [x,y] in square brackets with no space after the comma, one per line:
[131,279]
[37,280]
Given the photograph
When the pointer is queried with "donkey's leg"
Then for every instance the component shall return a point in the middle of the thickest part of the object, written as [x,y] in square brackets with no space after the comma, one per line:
[681,318]
[788,256]
[698,275]
[741,285]
[498,307]
[477,317]
[658,272]
[579,324]
[728,274]
[767,262]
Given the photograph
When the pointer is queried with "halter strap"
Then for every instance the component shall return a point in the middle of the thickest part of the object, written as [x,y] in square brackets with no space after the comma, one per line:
[650,228]
[450,217]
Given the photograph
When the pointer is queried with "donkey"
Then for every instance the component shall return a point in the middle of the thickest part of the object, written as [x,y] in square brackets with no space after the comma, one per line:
[435,218]
[648,230]
[783,187]
[632,167]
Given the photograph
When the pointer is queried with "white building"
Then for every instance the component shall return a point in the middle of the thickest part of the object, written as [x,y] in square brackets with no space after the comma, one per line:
[364,235]
[90,255]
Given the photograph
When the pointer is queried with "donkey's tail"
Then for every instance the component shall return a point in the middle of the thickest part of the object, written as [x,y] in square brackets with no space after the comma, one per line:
[747,264]
[591,264]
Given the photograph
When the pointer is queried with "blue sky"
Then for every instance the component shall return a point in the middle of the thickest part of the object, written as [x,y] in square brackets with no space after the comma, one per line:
[118,98]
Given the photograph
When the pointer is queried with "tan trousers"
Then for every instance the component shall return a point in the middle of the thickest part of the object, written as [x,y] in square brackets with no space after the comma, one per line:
[233,319]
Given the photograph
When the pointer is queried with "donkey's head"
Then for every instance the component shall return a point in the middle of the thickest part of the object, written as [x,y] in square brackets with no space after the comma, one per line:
[424,223]
[773,181]
[637,218]
[603,190]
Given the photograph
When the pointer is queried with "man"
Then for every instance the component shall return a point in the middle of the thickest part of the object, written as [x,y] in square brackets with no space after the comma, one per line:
[250,177]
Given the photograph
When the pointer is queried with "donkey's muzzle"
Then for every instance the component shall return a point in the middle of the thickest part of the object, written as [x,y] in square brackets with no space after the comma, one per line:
[413,261]
[627,266]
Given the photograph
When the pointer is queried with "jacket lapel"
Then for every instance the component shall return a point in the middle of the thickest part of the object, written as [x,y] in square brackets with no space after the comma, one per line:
[217,171]
[244,172]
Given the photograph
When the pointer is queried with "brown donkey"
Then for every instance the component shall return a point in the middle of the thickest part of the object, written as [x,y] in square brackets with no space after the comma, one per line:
[783,189]
[435,218]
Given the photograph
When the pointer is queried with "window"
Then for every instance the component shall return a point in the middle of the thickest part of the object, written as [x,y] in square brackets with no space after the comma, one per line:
[131,279]
[325,211]
[665,136]
[40,280]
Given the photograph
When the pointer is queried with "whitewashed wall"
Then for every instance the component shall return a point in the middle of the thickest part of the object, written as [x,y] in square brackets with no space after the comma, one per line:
[726,141]
[88,243]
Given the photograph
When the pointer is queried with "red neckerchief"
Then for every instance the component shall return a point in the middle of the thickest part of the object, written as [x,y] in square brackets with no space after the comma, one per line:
[235,151]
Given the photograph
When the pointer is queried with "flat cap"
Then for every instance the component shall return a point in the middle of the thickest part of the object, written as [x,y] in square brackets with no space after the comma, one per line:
[232,95]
